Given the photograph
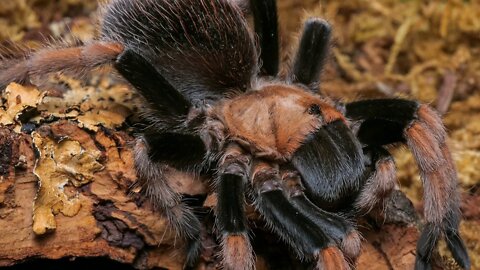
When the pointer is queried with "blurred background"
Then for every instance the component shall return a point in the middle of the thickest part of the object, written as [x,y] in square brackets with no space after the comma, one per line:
[425,50]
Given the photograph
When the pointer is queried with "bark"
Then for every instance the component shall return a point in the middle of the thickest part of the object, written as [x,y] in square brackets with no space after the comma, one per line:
[96,211]
[109,221]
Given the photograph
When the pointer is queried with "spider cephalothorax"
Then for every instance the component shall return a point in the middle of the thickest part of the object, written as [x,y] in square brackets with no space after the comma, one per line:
[213,102]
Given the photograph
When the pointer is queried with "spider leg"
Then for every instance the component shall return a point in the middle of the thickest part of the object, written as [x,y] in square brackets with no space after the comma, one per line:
[331,164]
[175,149]
[152,176]
[231,220]
[156,90]
[265,18]
[168,125]
[381,181]
[311,53]
[335,226]
[387,121]
[77,60]
[298,229]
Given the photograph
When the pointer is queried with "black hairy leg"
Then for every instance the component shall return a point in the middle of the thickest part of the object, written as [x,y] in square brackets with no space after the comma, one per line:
[311,53]
[182,151]
[231,220]
[386,121]
[294,225]
[331,164]
[153,179]
[381,180]
[168,111]
[153,87]
[338,228]
[265,20]
[159,148]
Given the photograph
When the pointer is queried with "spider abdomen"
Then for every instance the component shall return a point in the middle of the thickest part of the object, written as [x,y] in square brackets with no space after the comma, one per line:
[201,47]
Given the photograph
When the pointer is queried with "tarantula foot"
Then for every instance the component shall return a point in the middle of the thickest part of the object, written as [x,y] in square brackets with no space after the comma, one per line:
[194,246]
[351,245]
[237,253]
[331,258]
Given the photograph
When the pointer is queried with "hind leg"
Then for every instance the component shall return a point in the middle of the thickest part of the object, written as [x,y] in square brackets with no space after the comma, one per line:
[77,60]
[381,181]
[152,177]
[387,121]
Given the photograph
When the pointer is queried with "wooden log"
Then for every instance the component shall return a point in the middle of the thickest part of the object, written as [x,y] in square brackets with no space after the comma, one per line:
[67,191]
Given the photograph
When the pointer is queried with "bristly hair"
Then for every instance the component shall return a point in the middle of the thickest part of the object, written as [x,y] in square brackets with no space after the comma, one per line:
[56,56]
[203,48]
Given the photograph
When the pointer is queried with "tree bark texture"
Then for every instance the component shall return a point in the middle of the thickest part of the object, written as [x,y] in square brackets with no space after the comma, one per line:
[68,191]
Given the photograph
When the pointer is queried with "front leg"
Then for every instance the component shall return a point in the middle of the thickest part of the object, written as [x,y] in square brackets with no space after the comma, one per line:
[231,221]
[386,121]
[313,234]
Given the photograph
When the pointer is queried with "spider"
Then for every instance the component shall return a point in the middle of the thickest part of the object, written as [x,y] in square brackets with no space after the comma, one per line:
[214,103]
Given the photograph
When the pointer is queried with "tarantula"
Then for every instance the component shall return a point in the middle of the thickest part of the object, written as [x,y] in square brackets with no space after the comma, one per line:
[214,103]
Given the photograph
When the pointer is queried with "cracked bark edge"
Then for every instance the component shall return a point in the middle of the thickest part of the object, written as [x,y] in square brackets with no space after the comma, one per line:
[110,223]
